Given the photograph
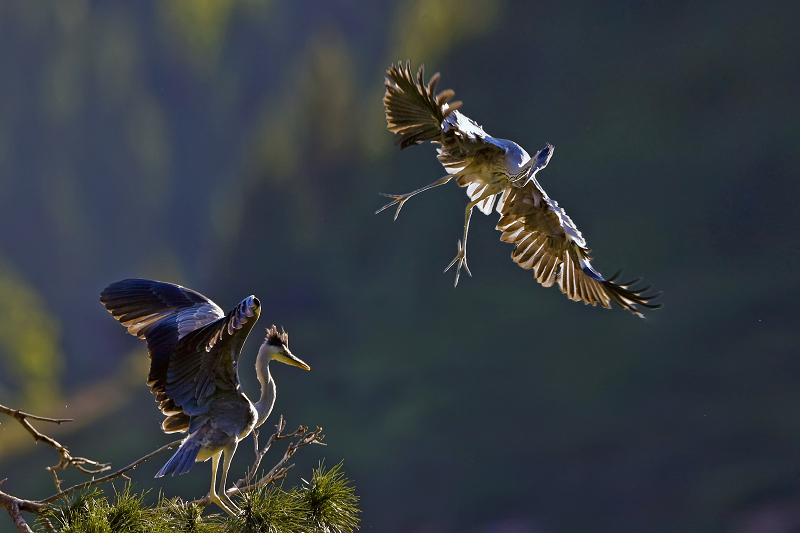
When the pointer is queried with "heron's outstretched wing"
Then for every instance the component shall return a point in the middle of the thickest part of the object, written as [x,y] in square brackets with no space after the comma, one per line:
[415,113]
[205,361]
[162,314]
[143,305]
[547,242]
[175,322]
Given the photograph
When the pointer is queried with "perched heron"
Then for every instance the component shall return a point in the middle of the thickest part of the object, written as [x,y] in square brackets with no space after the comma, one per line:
[500,172]
[194,353]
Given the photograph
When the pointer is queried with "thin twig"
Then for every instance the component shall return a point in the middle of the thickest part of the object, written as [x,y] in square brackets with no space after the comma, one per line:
[260,453]
[66,458]
[15,413]
[47,524]
[279,471]
[118,473]
[22,417]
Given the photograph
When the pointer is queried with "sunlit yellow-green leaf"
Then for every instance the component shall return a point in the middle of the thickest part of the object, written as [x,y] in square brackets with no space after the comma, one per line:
[425,30]
[29,336]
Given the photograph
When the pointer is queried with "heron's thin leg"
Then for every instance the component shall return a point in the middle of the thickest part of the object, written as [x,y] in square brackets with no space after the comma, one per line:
[223,495]
[400,199]
[216,497]
[461,256]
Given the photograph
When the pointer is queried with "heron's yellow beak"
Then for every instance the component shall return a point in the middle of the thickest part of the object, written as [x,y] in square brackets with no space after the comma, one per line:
[287,357]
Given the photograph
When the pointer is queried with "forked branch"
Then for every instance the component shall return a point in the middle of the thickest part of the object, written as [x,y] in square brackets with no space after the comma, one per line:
[87,466]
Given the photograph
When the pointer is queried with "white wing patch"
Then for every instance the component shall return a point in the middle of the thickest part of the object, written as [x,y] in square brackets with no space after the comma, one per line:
[475,190]
[137,324]
[196,317]
[464,126]
[566,223]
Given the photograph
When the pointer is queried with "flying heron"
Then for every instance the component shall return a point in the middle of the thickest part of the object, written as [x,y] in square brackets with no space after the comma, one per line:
[500,172]
[194,353]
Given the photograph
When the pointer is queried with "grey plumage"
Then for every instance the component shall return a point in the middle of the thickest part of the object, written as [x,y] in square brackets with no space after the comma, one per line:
[499,174]
[194,352]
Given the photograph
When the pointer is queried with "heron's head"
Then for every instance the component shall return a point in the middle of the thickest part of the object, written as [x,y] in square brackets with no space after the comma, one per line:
[276,346]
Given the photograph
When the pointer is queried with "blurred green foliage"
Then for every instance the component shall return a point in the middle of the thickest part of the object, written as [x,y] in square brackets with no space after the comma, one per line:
[30,358]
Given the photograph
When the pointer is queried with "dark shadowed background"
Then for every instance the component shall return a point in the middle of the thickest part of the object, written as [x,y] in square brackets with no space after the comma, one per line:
[238,147]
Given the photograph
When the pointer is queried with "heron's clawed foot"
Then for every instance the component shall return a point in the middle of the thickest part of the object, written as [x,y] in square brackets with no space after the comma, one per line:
[399,199]
[226,504]
[461,258]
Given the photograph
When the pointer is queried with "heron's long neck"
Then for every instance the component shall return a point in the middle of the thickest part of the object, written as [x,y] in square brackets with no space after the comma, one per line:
[264,404]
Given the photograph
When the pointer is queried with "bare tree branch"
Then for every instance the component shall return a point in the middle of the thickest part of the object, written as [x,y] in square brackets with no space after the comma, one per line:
[14,506]
[279,471]
[16,413]
[118,473]
[67,459]
[260,453]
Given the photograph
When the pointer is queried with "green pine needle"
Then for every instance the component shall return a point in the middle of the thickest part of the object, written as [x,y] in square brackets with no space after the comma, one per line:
[176,516]
[128,514]
[332,500]
[91,512]
[269,510]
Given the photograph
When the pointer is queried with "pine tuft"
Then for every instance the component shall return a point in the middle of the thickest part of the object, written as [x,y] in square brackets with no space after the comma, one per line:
[269,510]
[332,501]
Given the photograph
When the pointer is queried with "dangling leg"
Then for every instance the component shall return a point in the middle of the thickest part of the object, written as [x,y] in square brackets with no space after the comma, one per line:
[401,198]
[222,493]
[461,256]
[222,499]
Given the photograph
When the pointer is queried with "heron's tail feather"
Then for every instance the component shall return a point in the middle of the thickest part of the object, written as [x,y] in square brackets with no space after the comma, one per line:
[182,461]
[413,111]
